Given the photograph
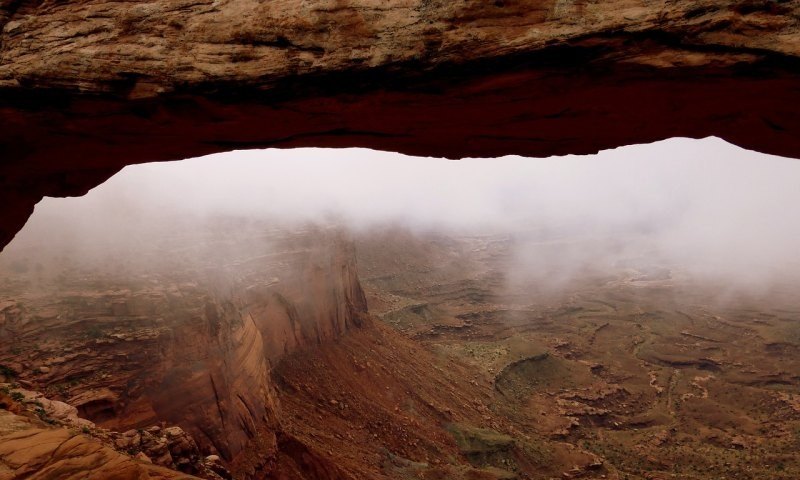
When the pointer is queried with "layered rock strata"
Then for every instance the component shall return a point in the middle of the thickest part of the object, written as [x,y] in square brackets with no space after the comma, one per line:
[87,87]
[191,344]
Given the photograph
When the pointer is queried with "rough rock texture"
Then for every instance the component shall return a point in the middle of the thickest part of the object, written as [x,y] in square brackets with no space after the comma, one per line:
[191,342]
[32,450]
[89,86]
[28,417]
[248,344]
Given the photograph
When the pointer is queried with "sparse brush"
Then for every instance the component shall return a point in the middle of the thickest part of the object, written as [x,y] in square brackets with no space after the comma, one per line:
[7,371]
[94,332]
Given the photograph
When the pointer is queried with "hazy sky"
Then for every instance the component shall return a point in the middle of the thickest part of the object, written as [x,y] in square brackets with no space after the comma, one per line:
[704,203]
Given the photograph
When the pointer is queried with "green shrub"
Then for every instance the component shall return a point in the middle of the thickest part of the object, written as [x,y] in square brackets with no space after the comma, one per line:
[94,332]
[7,371]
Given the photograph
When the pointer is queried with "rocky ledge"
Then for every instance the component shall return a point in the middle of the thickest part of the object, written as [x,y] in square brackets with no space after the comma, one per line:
[44,438]
[87,87]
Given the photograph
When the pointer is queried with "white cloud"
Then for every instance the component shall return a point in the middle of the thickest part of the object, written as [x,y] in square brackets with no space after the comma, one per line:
[715,208]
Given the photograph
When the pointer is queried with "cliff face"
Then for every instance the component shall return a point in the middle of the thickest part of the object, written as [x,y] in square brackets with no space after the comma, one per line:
[87,87]
[249,343]
[192,343]
[323,301]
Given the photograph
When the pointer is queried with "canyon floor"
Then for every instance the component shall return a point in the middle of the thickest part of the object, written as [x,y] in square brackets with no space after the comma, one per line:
[264,363]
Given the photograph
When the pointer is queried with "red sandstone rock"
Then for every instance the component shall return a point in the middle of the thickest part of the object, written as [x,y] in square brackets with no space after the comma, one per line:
[88,87]
[193,351]
[34,451]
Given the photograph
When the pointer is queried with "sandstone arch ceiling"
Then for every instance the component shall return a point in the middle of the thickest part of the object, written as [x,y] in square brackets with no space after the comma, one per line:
[88,86]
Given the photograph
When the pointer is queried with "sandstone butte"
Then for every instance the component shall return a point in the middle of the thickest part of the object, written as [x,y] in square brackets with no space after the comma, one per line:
[89,86]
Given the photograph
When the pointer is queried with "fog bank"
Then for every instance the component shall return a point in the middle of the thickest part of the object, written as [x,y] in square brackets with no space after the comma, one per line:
[712,208]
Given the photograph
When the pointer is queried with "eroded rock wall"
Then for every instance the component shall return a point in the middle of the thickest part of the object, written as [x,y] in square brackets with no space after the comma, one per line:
[191,346]
[87,87]
[319,296]
[145,49]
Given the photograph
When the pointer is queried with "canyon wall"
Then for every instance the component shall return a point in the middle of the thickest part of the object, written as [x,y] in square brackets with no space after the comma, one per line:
[192,343]
[89,86]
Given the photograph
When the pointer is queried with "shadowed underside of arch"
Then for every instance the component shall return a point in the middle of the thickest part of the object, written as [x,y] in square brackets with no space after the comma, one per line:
[87,87]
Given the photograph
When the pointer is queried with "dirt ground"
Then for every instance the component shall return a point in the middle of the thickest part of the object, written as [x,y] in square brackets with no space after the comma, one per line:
[655,373]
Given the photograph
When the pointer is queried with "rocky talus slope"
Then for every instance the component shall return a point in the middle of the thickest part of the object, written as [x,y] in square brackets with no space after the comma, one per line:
[89,86]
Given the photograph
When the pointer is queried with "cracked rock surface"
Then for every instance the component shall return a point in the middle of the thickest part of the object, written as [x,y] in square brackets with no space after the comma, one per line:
[87,87]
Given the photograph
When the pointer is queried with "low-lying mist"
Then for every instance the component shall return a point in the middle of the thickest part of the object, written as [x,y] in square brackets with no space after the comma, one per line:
[706,207]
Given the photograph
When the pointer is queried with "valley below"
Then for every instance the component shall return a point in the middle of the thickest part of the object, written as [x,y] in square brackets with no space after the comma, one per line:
[245,350]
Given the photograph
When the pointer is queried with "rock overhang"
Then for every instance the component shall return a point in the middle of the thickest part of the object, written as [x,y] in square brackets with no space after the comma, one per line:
[89,87]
